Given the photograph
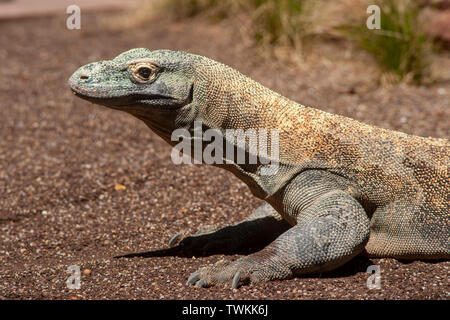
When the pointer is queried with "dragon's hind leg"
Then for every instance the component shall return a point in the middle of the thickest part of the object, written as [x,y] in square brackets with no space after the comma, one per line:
[335,230]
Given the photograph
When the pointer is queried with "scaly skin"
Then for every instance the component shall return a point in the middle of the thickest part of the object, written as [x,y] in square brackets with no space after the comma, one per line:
[342,188]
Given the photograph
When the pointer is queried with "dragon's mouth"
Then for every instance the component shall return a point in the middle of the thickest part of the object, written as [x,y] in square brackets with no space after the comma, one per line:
[99,100]
[110,96]
[131,101]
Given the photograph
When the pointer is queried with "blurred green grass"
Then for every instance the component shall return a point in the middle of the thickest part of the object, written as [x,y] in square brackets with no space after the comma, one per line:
[271,21]
[400,47]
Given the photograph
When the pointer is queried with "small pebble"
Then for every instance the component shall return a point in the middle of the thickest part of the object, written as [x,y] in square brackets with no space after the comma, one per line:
[87,272]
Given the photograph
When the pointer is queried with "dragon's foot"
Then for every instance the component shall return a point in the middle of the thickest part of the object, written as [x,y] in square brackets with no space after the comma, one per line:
[243,271]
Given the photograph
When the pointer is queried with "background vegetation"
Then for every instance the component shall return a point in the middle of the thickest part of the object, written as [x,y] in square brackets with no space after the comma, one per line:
[401,47]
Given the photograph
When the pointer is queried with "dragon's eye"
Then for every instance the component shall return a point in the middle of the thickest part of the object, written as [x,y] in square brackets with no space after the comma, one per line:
[143,71]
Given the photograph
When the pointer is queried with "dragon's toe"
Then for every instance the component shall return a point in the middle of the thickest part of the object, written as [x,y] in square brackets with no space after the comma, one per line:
[233,273]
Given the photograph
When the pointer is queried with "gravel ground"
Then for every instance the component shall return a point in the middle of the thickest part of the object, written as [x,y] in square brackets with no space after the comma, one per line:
[80,184]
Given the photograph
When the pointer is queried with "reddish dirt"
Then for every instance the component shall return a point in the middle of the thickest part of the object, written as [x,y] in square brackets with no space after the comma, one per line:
[61,158]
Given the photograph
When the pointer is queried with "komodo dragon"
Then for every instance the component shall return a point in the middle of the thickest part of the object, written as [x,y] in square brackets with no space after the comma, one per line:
[342,187]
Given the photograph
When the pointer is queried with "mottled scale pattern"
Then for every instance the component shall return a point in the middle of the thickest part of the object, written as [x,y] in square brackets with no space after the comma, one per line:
[405,178]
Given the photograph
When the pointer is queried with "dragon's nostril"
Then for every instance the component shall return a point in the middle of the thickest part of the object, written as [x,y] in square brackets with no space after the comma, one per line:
[84,77]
